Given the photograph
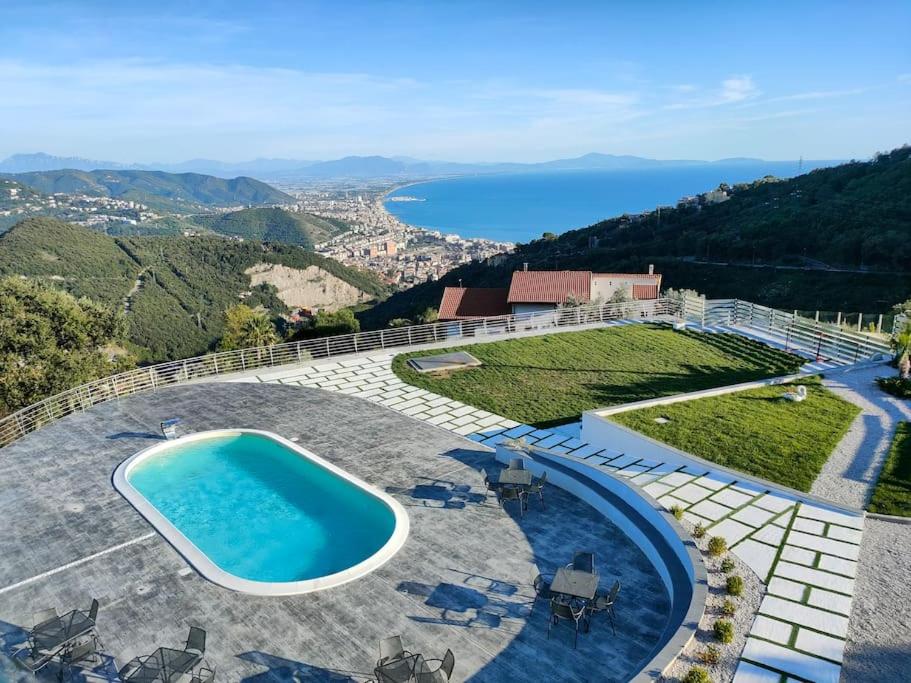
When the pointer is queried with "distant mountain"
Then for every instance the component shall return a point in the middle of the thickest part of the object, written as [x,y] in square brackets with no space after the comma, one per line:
[273,225]
[834,239]
[361,167]
[174,289]
[185,192]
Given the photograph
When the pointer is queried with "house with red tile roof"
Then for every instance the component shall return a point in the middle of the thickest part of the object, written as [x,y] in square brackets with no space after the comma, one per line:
[542,290]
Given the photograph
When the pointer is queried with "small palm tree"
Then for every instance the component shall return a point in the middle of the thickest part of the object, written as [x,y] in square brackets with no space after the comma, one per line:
[258,330]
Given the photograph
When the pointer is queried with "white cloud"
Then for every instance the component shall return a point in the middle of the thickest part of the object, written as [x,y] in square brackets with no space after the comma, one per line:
[732,90]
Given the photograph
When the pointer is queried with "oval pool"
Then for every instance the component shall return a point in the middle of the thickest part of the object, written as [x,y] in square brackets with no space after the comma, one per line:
[254,512]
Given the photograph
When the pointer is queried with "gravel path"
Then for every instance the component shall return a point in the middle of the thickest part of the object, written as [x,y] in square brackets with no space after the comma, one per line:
[850,473]
[879,635]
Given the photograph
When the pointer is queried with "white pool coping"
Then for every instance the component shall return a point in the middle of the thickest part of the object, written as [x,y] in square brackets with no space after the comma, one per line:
[207,568]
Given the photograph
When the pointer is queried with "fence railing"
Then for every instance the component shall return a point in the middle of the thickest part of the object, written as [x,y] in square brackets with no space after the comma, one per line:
[85,396]
[825,341]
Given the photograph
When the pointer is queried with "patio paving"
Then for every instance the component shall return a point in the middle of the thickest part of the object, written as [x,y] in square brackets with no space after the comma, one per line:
[461,580]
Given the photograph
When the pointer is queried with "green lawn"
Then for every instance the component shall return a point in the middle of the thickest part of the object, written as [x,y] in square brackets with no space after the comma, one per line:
[551,379]
[754,431]
[892,495]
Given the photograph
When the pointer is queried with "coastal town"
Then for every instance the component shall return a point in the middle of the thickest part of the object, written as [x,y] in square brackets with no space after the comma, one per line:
[404,255]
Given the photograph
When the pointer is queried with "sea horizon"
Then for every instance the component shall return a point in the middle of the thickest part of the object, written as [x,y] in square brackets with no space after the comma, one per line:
[520,207]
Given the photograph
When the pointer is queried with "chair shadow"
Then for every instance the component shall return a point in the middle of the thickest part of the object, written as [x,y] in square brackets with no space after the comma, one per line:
[450,495]
[281,669]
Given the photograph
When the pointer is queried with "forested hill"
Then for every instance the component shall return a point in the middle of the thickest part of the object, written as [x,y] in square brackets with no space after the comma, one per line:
[833,239]
[162,282]
[185,192]
[273,225]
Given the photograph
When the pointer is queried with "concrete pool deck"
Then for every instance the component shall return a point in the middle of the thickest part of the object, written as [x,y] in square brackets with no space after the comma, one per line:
[461,581]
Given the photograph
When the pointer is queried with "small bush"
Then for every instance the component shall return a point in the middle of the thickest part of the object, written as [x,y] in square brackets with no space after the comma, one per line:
[697,675]
[710,655]
[895,386]
[698,531]
[728,608]
[724,631]
[727,565]
[717,546]
[734,585]
[677,511]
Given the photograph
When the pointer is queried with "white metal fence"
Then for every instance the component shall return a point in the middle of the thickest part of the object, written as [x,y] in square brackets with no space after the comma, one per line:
[87,395]
[825,341]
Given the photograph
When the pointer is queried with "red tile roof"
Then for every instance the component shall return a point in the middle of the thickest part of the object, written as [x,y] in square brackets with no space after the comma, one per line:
[463,303]
[550,287]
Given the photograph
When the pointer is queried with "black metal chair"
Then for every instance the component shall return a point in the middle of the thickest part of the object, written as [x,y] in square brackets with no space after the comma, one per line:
[489,484]
[517,464]
[509,493]
[391,649]
[583,562]
[537,487]
[541,585]
[196,641]
[605,603]
[442,674]
[566,611]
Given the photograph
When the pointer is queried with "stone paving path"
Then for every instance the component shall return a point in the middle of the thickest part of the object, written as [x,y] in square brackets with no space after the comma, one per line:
[805,553]
[850,474]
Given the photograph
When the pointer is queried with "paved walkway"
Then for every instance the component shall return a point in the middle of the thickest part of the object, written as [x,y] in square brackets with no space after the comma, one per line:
[849,475]
[805,552]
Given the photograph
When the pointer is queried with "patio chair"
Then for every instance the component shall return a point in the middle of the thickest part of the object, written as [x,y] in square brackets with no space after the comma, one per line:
[566,611]
[583,561]
[508,493]
[33,661]
[605,603]
[203,675]
[517,464]
[537,487]
[423,673]
[489,484]
[86,650]
[391,649]
[541,584]
[196,641]
[399,670]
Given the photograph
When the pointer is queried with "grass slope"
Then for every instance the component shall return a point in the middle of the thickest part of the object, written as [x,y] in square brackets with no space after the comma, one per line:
[185,284]
[273,225]
[754,431]
[892,495]
[552,379]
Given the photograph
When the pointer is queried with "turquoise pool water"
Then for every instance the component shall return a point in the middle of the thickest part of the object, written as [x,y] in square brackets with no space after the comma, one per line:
[262,511]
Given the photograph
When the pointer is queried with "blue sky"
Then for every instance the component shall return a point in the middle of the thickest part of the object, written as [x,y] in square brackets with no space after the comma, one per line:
[470,81]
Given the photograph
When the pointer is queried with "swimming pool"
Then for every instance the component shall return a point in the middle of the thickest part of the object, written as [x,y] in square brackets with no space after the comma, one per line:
[254,512]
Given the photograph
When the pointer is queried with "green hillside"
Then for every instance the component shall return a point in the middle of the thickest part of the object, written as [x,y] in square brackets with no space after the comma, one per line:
[834,239]
[162,282]
[273,225]
[164,191]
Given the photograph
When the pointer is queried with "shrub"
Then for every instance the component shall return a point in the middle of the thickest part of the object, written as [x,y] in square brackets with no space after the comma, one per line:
[727,565]
[728,608]
[717,546]
[677,511]
[710,655]
[698,531]
[724,631]
[734,585]
[697,675]
[895,386]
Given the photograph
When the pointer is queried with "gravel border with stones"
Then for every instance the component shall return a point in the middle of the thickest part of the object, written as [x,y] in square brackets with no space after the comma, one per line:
[747,606]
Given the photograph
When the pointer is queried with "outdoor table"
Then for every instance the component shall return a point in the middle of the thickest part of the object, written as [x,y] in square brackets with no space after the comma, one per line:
[398,670]
[165,665]
[574,583]
[55,634]
[509,477]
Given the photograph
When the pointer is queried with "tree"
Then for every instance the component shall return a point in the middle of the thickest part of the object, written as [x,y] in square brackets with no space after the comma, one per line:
[328,324]
[430,315]
[50,342]
[246,327]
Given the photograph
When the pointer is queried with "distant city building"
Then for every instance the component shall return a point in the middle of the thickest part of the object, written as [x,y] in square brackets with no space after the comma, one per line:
[531,291]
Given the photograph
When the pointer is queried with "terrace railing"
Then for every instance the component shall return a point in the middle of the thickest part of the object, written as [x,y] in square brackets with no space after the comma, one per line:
[825,341]
[85,396]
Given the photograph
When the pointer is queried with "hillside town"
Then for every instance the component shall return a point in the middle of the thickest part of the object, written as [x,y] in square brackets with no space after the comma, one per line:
[18,202]
[404,255]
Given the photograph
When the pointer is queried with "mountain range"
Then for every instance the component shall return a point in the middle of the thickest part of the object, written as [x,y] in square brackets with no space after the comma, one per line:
[361,167]
[182,192]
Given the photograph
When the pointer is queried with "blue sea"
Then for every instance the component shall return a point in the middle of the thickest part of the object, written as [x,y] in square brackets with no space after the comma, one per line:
[519,207]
